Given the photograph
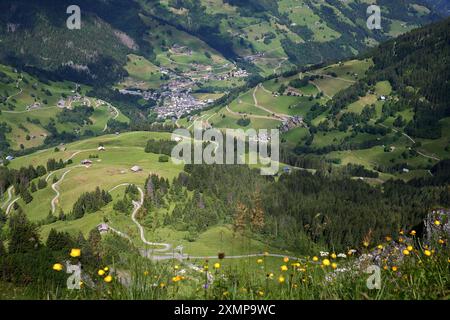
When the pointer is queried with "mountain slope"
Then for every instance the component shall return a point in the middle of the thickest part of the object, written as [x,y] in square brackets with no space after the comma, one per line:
[271,35]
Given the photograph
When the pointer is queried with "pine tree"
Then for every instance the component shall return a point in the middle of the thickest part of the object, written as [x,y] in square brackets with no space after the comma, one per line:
[24,235]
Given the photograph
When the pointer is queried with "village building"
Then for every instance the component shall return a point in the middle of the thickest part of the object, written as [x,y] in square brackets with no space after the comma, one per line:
[103,228]
[136,169]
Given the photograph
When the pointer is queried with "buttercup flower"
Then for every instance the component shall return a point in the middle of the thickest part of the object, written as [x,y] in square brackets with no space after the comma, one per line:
[315,259]
[326,262]
[286,259]
[334,265]
[74,253]
[281,279]
[427,253]
[406,252]
[259,261]
[101,272]
[437,223]
[216,265]
[284,268]
[58,267]
[333,256]
[108,279]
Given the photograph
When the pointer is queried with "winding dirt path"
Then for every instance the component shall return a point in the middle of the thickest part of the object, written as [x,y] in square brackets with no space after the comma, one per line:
[53,202]
[255,99]
[8,209]
[413,141]
[137,205]
[9,197]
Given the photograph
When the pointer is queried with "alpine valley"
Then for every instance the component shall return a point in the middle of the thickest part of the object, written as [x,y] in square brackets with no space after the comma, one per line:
[86,175]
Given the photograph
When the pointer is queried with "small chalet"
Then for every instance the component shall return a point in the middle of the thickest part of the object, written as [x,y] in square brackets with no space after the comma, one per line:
[136,169]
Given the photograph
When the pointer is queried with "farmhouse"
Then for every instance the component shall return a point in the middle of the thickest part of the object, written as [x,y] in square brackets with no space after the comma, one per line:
[136,169]
[102,228]
[86,162]
[101,148]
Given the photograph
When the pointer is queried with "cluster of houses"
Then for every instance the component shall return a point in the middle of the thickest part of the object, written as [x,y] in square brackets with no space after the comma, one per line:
[291,123]
[178,104]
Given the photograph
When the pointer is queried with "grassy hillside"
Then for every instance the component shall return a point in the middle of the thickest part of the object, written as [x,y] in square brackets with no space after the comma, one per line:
[29,106]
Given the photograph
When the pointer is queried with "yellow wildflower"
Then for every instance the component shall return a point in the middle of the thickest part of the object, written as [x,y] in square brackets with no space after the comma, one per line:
[410,248]
[108,279]
[427,253]
[259,261]
[413,232]
[260,293]
[145,273]
[315,259]
[106,269]
[176,278]
[380,247]
[326,262]
[284,268]
[101,272]
[441,241]
[226,293]
[334,265]
[58,267]
[74,253]
[281,279]
[333,256]
[286,259]
[388,238]
[394,268]
[216,265]
[406,252]
[365,244]
[437,223]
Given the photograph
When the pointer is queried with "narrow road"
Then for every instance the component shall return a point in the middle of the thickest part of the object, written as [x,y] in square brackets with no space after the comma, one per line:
[320,89]
[328,76]
[278,115]
[413,141]
[17,93]
[137,205]
[31,110]
[9,197]
[280,64]
[53,202]
[251,115]
[8,209]
[117,113]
